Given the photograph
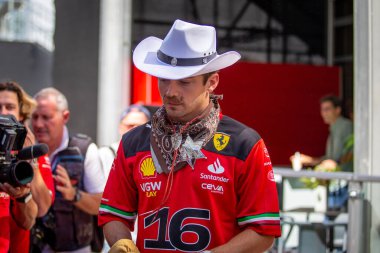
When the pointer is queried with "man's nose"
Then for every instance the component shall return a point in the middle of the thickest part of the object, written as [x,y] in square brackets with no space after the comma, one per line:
[3,110]
[36,122]
[172,89]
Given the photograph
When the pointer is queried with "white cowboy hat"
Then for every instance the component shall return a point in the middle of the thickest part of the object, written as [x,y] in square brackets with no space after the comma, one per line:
[187,50]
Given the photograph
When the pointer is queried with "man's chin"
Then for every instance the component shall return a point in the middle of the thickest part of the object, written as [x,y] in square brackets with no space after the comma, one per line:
[175,116]
[172,107]
[172,110]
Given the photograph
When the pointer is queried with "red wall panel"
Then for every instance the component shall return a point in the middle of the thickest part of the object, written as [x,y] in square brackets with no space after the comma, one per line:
[144,88]
[281,102]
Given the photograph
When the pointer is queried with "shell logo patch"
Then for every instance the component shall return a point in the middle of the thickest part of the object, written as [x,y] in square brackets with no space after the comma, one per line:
[221,141]
[147,168]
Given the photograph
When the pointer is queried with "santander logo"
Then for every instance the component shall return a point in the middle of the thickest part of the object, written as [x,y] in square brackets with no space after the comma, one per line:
[216,167]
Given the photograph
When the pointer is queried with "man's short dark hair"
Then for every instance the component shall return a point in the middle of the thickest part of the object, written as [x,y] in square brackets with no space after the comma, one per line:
[333,99]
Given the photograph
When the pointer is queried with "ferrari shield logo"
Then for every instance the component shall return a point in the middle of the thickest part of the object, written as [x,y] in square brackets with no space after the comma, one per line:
[221,141]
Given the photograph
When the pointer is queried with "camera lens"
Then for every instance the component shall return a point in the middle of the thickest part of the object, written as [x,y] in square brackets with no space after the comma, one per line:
[21,173]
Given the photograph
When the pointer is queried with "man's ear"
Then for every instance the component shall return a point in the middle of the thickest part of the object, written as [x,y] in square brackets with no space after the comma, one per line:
[66,116]
[213,82]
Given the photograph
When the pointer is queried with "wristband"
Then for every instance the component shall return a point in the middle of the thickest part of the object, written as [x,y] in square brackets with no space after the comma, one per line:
[77,195]
[25,199]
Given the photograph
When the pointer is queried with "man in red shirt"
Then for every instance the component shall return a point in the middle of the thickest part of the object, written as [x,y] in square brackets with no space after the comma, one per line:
[196,180]
[39,194]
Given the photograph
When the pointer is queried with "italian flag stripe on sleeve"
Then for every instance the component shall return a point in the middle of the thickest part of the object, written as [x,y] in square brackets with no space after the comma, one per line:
[117,212]
[268,218]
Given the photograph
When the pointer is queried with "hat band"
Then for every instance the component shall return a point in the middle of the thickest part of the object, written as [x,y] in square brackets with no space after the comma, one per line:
[184,61]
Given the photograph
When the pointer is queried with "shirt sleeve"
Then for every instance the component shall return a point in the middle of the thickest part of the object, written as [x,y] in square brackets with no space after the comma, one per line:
[258,206]
[119,201]
[46,172]
[106,157]
[94,179]
[4,222]
[343,131]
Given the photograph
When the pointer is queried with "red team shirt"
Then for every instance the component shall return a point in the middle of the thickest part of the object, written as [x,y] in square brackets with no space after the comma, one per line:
[4,222]
[233,189]
[20,238]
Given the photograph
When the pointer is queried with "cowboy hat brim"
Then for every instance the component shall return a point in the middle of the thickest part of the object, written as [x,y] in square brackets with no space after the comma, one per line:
[145,59]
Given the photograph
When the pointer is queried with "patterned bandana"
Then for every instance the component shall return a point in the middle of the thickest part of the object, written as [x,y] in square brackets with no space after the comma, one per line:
[182,142]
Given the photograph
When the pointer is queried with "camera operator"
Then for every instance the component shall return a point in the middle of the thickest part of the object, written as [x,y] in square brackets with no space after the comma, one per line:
[34,199]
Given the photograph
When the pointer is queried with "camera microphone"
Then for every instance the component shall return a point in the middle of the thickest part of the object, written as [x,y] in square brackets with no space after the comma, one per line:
[33,152]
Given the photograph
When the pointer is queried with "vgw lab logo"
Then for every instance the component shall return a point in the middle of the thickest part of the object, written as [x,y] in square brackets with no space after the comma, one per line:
[151,188]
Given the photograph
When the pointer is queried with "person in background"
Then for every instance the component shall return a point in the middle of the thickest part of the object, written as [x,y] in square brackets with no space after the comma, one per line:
[15,101]
[339,151]
[79,181]
[195,180]
[133,116]
[339,139]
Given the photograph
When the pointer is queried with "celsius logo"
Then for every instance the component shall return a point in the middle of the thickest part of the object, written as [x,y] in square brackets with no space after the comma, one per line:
[216,167]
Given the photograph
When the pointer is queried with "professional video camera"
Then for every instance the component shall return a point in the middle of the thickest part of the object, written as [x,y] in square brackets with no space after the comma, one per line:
[13,169]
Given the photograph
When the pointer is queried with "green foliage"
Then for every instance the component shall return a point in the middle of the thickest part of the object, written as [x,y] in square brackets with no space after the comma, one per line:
[312,182]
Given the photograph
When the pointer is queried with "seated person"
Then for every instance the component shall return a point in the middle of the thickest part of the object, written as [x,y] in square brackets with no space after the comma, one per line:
[341,130]
[339,147]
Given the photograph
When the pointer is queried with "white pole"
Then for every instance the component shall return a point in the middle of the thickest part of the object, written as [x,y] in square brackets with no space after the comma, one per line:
[114,67]
[367,117]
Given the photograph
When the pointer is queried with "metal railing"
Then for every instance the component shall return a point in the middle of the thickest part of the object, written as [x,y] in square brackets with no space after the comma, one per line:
[357,219]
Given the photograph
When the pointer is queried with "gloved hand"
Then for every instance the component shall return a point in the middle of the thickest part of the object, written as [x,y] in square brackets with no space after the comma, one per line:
[124,246]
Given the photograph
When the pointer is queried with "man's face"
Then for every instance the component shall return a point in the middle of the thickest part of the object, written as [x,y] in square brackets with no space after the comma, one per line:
[48,122]
[329,113]
[132,120]
[185,99]
[9,104]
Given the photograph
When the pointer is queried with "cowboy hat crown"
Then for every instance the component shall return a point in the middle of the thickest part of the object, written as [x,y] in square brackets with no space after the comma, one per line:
[187,50]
